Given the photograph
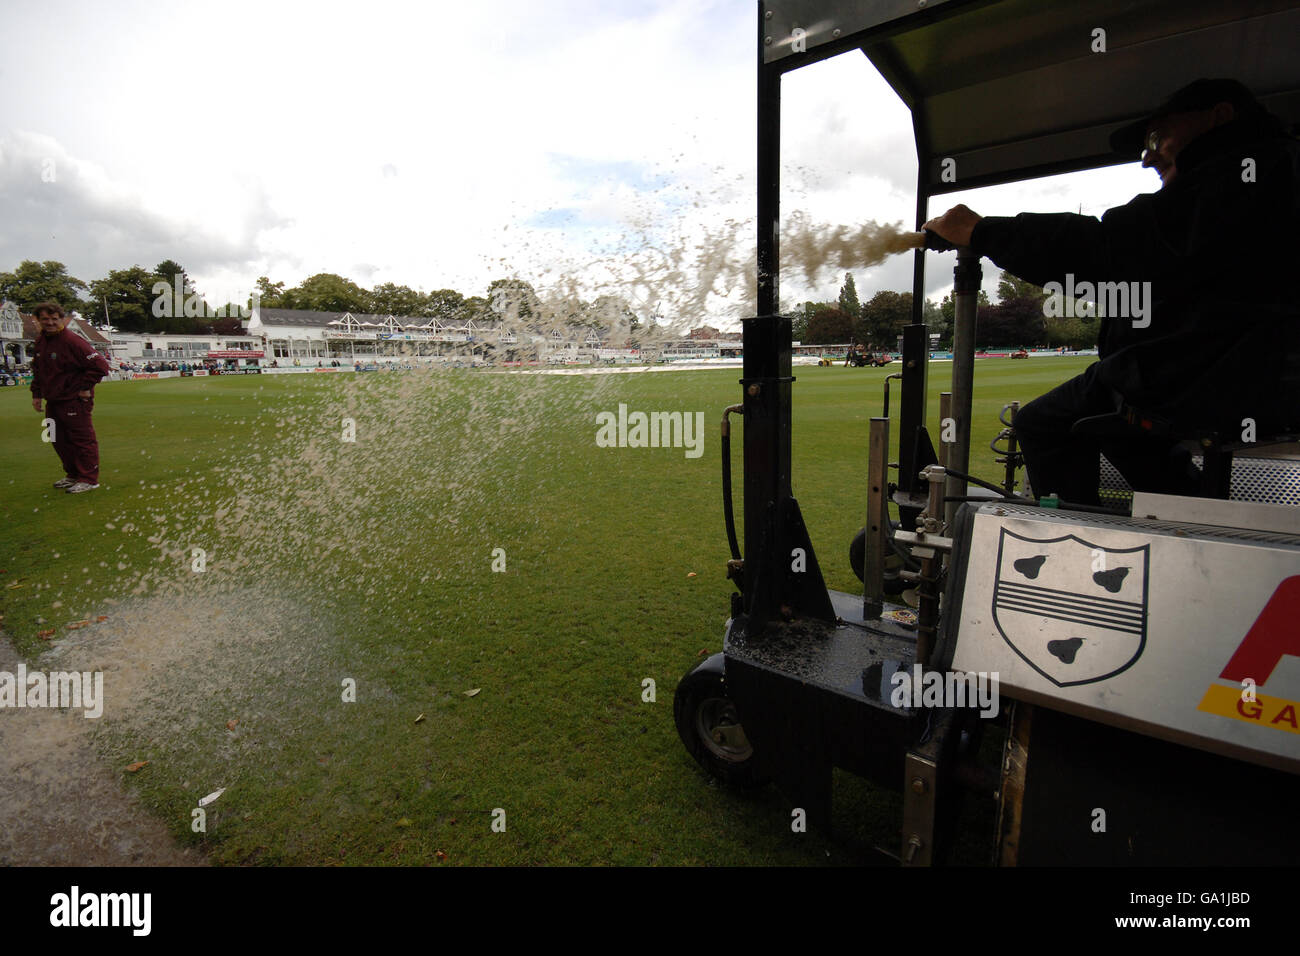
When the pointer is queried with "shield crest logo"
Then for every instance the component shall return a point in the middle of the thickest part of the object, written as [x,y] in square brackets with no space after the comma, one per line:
[1074,611]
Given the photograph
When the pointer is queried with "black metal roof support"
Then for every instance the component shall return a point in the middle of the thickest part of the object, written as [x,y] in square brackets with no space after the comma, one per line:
[778,580]
[767,444]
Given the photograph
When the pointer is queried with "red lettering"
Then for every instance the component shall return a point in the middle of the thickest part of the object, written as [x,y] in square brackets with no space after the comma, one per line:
[1288,709]
[1256,708]
[1273,634]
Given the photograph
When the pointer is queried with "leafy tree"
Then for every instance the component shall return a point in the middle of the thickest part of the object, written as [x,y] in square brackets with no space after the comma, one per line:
[883,318]
[513,300]
[169,269]
[799,323]
[35,282]
[948,308]
[849,298]
[474,308]
[188,313]
[829,325]
[445,305]
[1014,323]
[1076,333]
[388,298]
[327,292]
[1017,319]
[936,323]
[1009,288]
[612,315]
[270,295]
[130,297]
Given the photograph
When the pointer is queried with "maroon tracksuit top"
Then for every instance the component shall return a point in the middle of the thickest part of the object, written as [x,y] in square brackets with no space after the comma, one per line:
[64,365]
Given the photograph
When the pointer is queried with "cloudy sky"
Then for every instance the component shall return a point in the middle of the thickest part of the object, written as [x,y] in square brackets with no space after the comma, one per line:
[442,145]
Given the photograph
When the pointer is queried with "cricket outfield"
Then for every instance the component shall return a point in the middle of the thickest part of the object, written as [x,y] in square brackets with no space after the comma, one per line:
[416,617]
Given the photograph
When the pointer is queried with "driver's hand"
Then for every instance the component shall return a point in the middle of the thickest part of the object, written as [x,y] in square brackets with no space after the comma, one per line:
[36,404]
[956,225]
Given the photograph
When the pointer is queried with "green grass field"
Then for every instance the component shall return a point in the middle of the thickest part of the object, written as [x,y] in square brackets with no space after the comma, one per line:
[326,561]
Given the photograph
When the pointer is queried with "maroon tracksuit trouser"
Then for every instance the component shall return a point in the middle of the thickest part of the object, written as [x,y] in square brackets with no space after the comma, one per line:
[74,438]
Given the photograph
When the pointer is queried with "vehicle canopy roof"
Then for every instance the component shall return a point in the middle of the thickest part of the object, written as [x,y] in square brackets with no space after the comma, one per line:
[1016,89]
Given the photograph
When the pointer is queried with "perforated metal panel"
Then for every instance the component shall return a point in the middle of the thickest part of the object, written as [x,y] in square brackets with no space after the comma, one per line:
[1271,480]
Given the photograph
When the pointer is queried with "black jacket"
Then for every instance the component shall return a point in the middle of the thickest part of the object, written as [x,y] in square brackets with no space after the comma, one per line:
[1219,252]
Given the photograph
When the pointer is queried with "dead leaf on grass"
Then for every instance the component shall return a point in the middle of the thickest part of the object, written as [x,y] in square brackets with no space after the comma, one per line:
[473,693]
[132,768]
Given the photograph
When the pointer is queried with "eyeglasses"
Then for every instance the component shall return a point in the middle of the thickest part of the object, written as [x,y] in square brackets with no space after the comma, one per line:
[1152,142]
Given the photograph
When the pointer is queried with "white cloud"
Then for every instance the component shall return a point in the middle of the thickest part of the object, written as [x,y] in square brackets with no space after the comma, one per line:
[435,145]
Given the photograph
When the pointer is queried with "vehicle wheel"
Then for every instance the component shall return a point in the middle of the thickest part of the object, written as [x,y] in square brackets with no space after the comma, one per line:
[894,563]
[710,728]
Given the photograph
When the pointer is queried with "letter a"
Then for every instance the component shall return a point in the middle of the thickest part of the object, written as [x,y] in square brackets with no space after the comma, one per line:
[1248,691]
[799,564]
[606,434]
[349,690]
[59,915]
[1287,714]
[498,560]
[162,305]
[498,820]
[1098,820]
[901,695]
[798,821]
[1052,305]
[648,690]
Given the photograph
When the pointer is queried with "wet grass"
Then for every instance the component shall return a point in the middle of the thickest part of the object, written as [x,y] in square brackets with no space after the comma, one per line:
[385,550]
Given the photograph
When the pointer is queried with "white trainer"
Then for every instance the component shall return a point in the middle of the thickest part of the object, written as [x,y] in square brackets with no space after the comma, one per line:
[81,486]
[65,482]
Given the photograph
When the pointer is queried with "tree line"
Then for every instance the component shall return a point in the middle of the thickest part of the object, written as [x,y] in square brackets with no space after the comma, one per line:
[130,302]
[1016,319]
[135,300]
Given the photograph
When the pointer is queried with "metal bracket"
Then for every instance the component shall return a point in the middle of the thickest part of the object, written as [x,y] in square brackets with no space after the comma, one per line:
[936,541]
[921,791]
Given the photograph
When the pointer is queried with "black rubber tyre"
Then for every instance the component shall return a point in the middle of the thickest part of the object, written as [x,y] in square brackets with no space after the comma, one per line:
[710,729]
[893,563]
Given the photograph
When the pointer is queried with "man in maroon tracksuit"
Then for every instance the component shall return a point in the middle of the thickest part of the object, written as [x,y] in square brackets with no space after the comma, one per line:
[64,373]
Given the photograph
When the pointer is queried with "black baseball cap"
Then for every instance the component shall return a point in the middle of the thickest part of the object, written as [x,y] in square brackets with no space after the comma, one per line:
[1198,95]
